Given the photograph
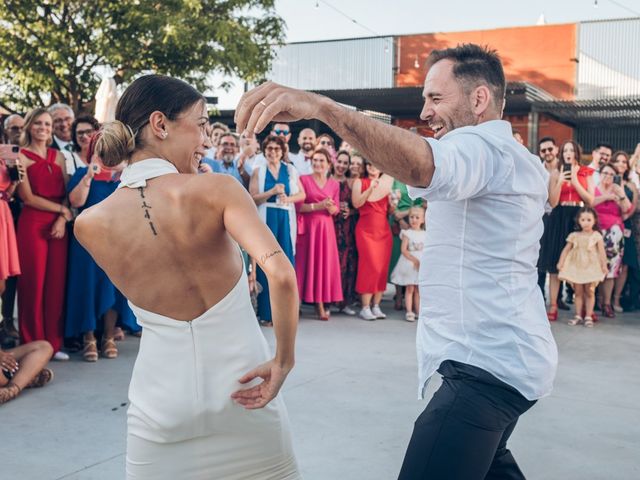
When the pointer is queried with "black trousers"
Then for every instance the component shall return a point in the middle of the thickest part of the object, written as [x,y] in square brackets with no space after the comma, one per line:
[463,432]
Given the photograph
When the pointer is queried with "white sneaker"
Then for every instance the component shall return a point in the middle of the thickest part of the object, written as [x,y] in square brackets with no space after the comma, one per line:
[61,357]
[366,314]
[410,317]
[349,311]
[377,312]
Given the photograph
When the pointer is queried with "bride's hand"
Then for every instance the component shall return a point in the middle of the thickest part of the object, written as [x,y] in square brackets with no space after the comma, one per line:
[273,376]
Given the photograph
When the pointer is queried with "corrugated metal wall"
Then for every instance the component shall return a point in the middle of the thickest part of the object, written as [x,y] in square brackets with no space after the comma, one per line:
[336,65]
[609,59]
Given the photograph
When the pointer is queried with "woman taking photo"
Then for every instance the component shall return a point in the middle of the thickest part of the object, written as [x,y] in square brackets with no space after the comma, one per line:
[630,271]
[345,226]
[317,261]
[573,188]
[92,300]
[373,238]
[275,188]
[42,239]
[611,204]
[167,240]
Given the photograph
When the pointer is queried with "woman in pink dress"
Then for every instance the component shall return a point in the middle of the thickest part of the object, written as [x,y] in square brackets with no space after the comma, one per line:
[317,260]
[9,263]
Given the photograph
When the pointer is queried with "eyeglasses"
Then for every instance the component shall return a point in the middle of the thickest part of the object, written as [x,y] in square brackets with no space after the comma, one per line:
[277,131]
[607,174]
[325,142]
[273,149]
[15,129]
[227,144]
[545,150]
[82,133]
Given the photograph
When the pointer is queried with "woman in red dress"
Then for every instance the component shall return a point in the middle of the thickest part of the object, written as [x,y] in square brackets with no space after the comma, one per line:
[373,238]
[42,239]
[9,263]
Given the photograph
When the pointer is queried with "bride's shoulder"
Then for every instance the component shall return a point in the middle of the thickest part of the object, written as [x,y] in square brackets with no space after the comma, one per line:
[216,187]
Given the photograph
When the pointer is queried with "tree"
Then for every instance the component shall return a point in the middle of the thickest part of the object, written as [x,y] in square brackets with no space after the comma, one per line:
[54,46]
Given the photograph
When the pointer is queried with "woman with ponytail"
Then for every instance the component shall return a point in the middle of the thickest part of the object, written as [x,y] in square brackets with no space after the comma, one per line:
[203,397]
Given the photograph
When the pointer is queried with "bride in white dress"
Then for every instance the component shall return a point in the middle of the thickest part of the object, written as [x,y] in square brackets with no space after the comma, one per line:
[204,400]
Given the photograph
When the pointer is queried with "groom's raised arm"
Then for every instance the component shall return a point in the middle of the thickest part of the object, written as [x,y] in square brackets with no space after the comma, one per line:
[400,153]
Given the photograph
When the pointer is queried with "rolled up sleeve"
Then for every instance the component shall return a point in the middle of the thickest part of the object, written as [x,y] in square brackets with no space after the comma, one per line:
[464,166]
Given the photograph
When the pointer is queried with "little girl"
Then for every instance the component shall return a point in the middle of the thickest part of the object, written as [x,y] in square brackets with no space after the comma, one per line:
[583,263]
[405,272]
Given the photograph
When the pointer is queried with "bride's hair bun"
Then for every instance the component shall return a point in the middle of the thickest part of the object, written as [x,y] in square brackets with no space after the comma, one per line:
[116,143]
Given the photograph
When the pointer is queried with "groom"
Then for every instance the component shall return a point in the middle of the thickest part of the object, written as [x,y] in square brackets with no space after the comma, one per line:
[482,323]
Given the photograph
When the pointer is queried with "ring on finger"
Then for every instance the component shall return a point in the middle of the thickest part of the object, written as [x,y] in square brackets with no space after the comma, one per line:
[262,103]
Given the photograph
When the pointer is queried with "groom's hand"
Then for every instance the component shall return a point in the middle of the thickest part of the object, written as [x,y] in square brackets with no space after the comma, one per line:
[270,101]
[273,376]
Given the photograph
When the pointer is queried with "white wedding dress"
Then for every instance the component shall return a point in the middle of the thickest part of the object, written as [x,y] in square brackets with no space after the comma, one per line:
[182,423]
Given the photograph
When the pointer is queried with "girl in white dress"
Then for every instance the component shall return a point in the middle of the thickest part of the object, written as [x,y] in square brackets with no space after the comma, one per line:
[406,271]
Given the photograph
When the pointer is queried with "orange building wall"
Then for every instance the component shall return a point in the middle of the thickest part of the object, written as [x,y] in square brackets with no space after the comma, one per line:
[542,55]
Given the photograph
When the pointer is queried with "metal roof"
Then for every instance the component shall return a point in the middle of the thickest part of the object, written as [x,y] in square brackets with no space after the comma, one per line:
[622,111]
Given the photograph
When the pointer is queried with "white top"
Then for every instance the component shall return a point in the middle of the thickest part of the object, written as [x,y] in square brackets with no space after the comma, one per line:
[478,278]
[302,164]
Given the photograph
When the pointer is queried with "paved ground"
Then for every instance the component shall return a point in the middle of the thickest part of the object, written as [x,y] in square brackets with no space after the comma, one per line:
[352,403]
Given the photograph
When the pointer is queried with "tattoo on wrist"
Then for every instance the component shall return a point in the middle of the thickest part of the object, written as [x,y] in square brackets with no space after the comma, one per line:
[266,256]
[146,208]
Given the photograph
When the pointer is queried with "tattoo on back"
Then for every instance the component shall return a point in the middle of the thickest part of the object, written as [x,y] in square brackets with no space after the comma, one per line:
[266,256]
[147,207]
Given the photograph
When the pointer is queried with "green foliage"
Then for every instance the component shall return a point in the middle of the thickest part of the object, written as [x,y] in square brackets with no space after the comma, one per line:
[54,46]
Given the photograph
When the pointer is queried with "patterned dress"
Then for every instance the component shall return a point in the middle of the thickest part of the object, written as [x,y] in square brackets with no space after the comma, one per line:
[347,252]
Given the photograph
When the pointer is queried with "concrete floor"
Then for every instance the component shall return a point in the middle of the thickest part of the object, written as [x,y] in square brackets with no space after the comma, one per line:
[352,403]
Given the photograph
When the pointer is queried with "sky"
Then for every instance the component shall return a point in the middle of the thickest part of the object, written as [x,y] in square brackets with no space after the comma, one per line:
[309,20]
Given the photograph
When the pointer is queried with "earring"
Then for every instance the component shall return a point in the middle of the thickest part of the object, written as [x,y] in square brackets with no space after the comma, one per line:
[164,135]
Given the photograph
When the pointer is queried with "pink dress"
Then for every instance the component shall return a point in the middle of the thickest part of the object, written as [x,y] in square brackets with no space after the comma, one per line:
[9,263]
[317,260]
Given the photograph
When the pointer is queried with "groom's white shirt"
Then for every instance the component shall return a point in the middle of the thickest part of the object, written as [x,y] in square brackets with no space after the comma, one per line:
[481,304]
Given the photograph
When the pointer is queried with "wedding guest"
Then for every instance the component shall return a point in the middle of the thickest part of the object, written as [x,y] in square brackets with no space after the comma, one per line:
[345,226]
[41,235]
[275,188]
[317,261]
[373,238]
[101,305]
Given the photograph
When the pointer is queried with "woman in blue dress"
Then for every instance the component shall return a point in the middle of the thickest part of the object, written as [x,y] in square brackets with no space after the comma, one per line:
[93,303]
[275,187]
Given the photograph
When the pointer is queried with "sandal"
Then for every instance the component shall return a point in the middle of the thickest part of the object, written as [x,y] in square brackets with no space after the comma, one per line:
[552,314]
[109,349]
[90,351]
[577,320]
[42,378]
[588,322]
[118,334]
[9,392]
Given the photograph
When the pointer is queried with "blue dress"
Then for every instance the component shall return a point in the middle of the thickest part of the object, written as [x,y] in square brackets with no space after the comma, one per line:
[90,293]
[278,223]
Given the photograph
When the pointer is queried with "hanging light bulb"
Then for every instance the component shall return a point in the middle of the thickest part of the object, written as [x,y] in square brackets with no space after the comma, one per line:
[386,48]
[317,4]
[595,3]
[416,63]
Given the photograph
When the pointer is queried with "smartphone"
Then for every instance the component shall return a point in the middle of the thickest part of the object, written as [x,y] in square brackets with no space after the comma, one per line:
[617,179]
[9,152]
[566,168]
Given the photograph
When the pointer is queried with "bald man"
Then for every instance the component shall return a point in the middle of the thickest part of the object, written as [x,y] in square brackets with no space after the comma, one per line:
[302,160]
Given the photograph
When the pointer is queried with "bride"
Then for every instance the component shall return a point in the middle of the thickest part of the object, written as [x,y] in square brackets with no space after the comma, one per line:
[204,391]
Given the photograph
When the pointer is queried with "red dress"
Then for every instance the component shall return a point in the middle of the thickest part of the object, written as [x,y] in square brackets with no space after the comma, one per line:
[374,242]
[43,260]
[9,264]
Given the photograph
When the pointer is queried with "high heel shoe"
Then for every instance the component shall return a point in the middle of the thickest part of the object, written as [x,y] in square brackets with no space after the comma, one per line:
[608,311]
[552,314]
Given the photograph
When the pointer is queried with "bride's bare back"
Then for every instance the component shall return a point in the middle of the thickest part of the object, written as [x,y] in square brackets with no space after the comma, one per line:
[169,247]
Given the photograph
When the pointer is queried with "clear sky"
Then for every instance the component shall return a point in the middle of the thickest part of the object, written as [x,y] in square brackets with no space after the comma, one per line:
[306,21]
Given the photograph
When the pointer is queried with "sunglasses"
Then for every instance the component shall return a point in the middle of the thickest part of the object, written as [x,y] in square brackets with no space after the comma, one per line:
[273,149]
[325,142]
[281,132]
[81,133]
[545,150]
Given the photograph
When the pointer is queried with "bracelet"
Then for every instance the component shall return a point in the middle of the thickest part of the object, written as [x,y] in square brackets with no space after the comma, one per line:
[313,207]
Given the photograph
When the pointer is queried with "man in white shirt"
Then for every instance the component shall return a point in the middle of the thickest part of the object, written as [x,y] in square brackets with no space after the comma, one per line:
[482,323]
[302,159]
[600,156]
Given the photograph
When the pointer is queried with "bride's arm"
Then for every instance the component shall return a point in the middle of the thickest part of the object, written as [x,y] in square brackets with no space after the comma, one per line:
[241,221]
